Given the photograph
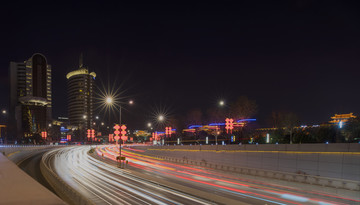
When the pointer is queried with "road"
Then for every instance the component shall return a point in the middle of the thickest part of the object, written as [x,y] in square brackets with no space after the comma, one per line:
[147,180]
[102,183]
[31,165]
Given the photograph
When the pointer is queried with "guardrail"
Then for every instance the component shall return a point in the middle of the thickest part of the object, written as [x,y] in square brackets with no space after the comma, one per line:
[65,191]
[294,177]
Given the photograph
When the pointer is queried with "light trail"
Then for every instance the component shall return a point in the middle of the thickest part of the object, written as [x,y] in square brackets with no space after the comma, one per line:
[206,178]
[102,183]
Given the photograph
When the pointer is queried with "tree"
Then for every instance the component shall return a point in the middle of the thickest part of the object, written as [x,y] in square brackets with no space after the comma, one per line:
[326,134]
[352,130]
[290,121]
[287,121]
[243,108]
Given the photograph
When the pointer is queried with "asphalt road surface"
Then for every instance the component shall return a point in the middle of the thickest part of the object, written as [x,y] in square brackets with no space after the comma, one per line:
[146,180]
[31,165]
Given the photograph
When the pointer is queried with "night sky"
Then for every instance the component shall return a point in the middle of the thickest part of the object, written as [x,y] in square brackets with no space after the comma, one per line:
[299,56]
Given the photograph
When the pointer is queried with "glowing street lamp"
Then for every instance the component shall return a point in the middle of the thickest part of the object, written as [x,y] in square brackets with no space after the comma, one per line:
[109,100]
[161,118]
[221,103]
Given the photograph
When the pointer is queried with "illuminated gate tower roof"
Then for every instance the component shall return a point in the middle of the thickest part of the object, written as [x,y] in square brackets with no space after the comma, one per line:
[341,117]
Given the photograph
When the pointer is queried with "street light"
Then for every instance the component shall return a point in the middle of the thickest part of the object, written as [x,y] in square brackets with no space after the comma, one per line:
[109,100]
[161,118]
[221,103]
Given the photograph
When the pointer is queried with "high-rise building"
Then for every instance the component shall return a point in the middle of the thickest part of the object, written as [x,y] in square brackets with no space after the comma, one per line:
[30,97]
[80,97]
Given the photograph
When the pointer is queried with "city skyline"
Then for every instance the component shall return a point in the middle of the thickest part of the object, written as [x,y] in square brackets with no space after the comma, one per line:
[236,102]
[176,63]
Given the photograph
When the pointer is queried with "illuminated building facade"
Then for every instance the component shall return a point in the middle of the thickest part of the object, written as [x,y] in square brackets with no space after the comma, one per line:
[81,97]
[337,118]
[30,97]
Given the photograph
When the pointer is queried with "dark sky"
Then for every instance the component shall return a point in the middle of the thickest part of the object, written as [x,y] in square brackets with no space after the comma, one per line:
[300,56]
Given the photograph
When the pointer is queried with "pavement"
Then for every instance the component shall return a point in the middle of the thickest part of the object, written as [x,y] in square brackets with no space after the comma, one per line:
[16,187]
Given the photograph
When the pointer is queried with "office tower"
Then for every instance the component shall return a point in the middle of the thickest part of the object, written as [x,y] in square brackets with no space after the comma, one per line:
[30,97]
[80,97]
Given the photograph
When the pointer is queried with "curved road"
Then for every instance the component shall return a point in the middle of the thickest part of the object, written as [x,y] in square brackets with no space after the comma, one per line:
[31,165]
[147,180]
[102,183]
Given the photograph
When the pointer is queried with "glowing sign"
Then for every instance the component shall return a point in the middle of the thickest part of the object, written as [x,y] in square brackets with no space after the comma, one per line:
[229,125]
[44,135]
[168,131]
[246,120]
[117,132]
[194,126]
[217,124]
[111,139]
[123,132]
[88,134]
[116,127]
[92,133]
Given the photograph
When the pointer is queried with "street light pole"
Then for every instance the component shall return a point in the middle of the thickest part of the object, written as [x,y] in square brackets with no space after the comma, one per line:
[120,115]
[120,140]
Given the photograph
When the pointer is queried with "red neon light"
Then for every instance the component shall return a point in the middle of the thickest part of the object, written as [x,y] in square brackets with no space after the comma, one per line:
[44,135]
[124,138]
[116,127]
[93,133]
[88,134]
[123,127]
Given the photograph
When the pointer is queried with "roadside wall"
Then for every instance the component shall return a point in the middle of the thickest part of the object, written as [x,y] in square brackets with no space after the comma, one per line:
[341,161]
